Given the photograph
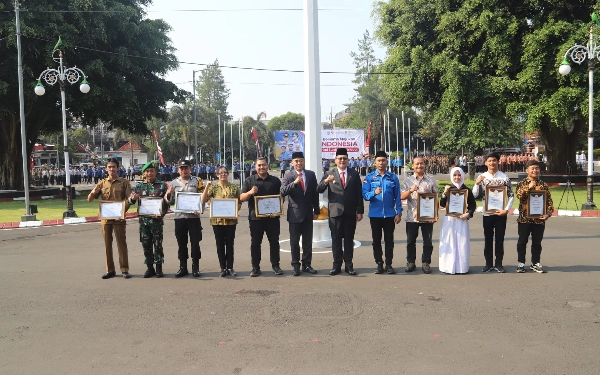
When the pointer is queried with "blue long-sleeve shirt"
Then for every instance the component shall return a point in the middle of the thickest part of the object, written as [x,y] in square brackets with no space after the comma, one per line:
[387,203]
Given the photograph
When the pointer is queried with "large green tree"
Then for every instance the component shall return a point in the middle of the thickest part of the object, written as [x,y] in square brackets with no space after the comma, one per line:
[288,121]
[124,55]
[484,71]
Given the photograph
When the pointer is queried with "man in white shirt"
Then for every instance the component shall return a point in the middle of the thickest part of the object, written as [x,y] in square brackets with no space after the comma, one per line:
[495,222]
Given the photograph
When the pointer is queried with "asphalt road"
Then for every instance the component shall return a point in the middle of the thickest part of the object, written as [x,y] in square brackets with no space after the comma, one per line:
[57,316]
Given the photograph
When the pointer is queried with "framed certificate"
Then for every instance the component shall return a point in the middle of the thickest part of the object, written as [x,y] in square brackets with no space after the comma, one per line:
[111,210]
[537,203]
[267,205]
[150,206]
[427,207]
[495,199]
[456,202]
[226,208]
[188,202]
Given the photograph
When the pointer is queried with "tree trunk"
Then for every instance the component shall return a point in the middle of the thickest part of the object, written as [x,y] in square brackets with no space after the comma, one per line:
[11,157]
[561,146]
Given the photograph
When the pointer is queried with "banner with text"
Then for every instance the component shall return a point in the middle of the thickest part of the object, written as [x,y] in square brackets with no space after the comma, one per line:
[351,139]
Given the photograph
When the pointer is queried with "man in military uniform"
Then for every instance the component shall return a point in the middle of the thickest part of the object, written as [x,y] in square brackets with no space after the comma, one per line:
[151,227]
[113,188]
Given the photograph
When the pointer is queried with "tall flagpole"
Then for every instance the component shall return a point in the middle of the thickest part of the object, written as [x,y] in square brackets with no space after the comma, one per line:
[409,150]
[219,139]
[403,144]
[397,144]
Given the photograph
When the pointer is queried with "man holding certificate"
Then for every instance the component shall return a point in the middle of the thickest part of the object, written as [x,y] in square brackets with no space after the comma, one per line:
[346,208]
[151,218]
[381,189]
[300,185]
[413,185]
[261,184]
[535,207]
[116,189]
[187,221]
[494,220]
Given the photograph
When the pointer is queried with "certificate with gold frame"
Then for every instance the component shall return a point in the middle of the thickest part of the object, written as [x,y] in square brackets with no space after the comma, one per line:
[536,203]
[427,207]
[150,206]
[456,202]
[225,208]
[111,210]
[495,199]
[267,205]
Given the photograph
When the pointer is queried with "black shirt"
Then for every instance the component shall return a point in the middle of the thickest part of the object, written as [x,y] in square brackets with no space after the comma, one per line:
[266,186]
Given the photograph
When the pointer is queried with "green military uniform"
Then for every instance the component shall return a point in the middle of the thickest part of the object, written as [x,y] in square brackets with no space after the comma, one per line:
[151,228]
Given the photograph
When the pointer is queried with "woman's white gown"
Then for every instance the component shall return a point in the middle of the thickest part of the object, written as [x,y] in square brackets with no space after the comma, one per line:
[455,249]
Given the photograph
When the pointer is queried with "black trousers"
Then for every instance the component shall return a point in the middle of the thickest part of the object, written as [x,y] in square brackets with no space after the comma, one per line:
[258,228]
[494,228]
[342,231]
[304,229]
[387,225]
[224,237]
[412,232]
[537,234]
[183,228]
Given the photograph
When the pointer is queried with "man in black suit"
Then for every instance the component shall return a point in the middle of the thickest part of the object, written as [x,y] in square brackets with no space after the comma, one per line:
[300,185]
[346,208]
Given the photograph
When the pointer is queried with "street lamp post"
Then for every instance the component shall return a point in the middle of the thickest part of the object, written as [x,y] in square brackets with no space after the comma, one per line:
[579,54]
[60,75]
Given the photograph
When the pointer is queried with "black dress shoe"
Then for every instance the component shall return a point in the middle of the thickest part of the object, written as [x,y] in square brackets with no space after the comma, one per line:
[296,271]
[389,269]
[223,272]
[159,271]
[231,272]
[108,275]
[309,269]
[379,269]
[277,270]
[126,275]
[182,272]
[334,271]
[350,271]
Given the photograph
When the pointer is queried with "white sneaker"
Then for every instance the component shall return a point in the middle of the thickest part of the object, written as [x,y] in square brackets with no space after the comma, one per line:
[521,268]
[537,268]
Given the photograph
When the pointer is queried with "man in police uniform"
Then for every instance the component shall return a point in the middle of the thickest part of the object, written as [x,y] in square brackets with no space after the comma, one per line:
[113,188]
[151,227]
[381,189]
[187,224]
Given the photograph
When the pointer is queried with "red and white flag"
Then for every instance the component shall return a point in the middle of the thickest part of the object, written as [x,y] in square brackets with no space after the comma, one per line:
[368,142]
[160,154]
[255,136]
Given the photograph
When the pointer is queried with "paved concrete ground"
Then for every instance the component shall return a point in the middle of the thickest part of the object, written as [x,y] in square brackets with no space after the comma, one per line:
[57,316]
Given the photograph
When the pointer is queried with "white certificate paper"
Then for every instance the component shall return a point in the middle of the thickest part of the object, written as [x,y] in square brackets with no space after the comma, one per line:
[427,207]
[111,210]
[187,202]
[268,206]
[456,203]
[226,208]
[536,204]
[150,206]
[495,200]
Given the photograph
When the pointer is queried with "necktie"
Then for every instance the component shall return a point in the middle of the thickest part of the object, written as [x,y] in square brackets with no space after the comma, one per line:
[343,179]
[301,181]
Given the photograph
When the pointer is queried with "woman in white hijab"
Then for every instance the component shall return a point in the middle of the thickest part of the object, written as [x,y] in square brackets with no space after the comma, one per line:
[455,238]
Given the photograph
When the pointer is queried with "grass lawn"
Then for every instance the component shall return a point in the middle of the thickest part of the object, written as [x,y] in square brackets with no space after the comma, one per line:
[48,209]
[556,192]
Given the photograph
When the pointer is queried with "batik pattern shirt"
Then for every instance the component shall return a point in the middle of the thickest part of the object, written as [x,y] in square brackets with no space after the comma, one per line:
[219,192]
[522,193]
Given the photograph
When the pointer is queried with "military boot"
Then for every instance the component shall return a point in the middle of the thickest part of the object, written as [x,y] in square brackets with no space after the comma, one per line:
[150,271]
[196,268]
[159,271]
[182,269]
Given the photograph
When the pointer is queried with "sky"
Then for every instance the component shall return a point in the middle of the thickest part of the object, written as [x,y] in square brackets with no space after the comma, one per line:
[242,33]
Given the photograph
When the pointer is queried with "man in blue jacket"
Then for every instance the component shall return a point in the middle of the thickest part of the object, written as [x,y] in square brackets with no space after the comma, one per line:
[382,189]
